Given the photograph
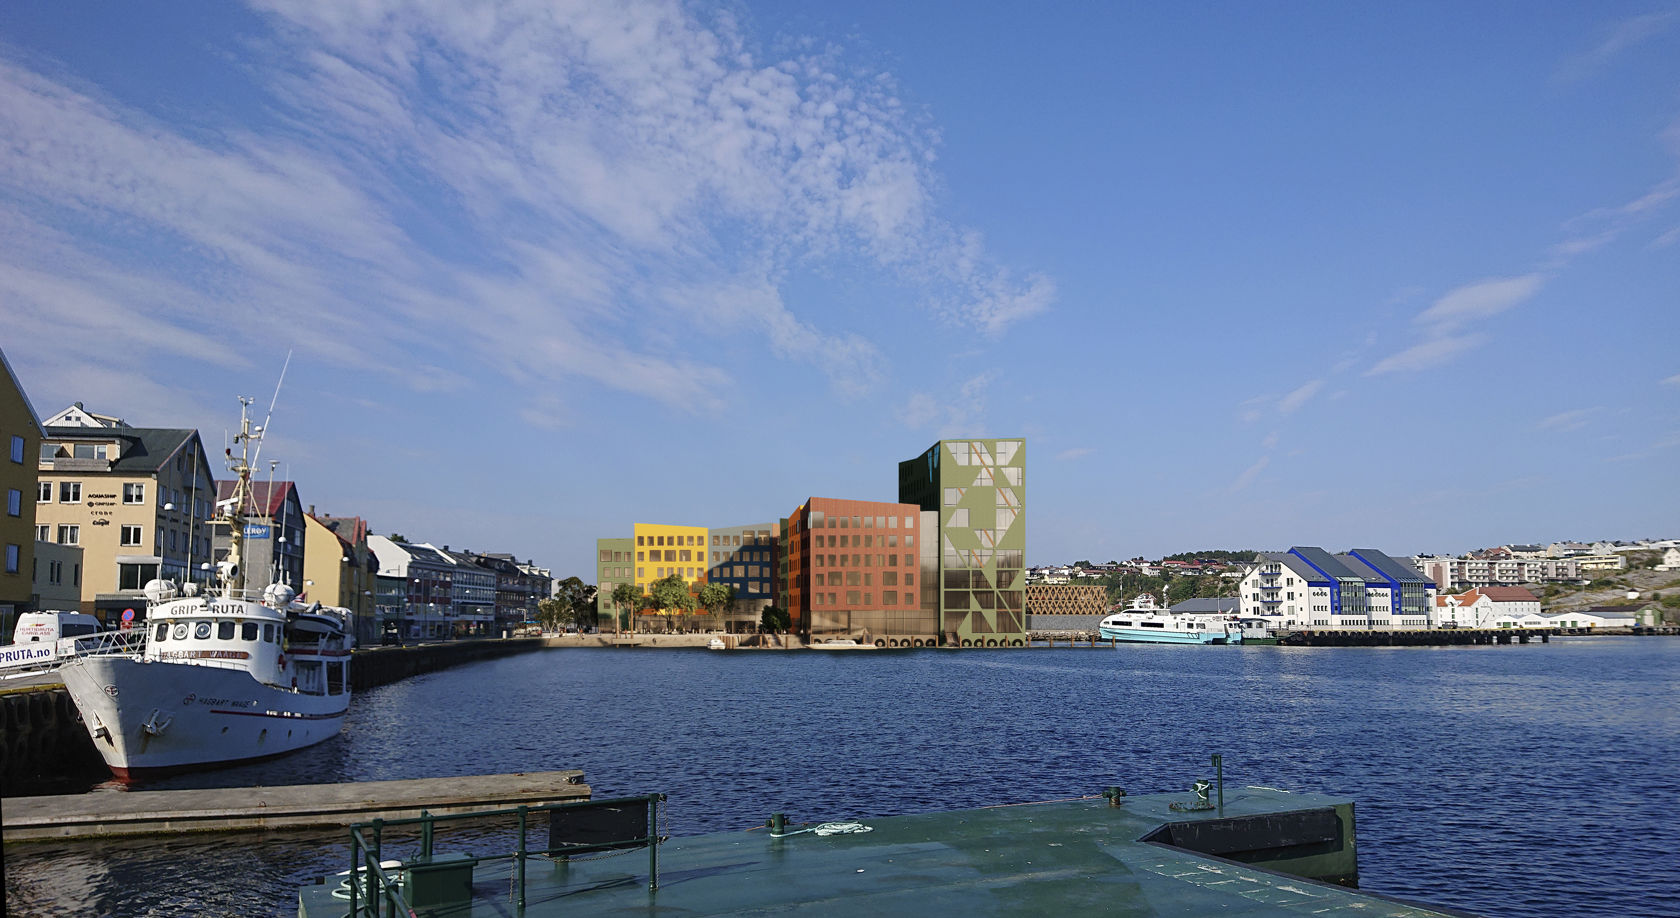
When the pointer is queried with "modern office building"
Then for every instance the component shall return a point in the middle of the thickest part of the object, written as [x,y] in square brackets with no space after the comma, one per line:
[1362,589]
[136,499]
[854,570]
[1396,594]
[20,436]
[615,563]
[743,558]
[977,490]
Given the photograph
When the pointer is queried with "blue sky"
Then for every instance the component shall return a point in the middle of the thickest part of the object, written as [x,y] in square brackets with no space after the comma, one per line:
[1243,276]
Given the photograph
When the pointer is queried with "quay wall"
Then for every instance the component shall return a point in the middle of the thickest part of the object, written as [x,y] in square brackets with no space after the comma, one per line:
[42,739]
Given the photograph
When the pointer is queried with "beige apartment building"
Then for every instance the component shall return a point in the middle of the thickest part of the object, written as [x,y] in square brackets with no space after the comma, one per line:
[135,499]
[20,437]
[339,569]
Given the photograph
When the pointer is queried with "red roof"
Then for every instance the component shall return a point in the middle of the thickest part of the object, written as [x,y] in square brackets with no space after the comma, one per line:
[266,497]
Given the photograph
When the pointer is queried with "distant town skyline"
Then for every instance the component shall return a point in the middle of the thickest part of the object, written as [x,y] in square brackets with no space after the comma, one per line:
[1404,278]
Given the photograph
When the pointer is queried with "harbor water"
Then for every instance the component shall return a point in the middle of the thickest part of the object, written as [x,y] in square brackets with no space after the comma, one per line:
[1524,780]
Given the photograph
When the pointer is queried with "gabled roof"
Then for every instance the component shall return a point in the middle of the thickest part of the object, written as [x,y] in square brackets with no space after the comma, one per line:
[352,529]
[1300,568]
[1389,567]
[267,497]
[1324,562]
[144,450]
[6,366]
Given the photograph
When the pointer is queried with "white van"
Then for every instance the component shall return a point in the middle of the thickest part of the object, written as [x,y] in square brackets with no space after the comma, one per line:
[49,627]
[43,640]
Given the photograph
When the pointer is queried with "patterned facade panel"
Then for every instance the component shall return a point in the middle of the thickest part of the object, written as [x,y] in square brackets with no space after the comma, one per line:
[1066,599]
[663,551]
[978,490]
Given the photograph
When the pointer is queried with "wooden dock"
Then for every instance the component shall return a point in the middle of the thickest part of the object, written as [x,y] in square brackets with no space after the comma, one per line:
[293,806]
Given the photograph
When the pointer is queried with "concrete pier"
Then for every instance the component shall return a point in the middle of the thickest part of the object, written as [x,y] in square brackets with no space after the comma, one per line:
[293,806]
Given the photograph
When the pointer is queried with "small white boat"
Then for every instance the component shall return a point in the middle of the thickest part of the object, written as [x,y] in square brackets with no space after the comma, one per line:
[841,644]
[717,643]
[1145,623]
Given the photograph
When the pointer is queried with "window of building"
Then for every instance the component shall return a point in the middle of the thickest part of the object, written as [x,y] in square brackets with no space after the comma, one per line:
[134,492]
[89,451]
[13,558]
[909,542]
[130,535]
[14,502]
[959,518]
[909,580]
[17,449]
[69,492]
[852,597]
[43,492]
[43,532]
[69,534]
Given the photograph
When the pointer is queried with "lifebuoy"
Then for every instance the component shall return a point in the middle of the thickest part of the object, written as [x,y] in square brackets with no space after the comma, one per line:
[880,642]
[967,643]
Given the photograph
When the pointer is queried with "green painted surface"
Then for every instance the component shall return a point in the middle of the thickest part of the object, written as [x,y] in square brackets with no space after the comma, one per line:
[1066,857]
[978,487]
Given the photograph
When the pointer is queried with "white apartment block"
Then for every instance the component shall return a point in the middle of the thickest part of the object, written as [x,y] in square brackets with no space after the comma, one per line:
[1461,573]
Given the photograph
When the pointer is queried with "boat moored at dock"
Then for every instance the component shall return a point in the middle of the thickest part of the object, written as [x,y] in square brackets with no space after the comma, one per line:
[1144,623]
[216,679]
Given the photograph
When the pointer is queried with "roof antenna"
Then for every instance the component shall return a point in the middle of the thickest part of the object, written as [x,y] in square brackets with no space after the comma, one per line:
[256,459]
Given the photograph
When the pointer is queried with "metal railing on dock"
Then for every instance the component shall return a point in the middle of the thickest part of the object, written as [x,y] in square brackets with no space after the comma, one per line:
[575,828]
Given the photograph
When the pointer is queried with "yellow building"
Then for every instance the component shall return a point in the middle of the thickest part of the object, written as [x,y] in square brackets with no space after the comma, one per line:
[339,570]
[665,550]
[20,437]
[136,499]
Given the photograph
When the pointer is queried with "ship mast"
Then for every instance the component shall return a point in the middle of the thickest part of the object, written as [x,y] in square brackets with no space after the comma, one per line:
[233,509]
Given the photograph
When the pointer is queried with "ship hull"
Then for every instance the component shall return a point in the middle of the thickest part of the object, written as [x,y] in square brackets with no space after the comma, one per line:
[149,718]
[1162,636]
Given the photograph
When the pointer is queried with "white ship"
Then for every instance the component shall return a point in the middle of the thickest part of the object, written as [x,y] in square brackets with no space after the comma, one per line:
[1145,623]
[216,679]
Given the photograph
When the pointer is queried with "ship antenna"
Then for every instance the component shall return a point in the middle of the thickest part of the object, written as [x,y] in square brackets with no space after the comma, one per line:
[257,459]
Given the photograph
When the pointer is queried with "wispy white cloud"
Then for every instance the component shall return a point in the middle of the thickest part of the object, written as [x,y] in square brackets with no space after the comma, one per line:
[960,413]
[1270,441]
[1616,39]
[1292,402]
[1425,354]
[1249,474]
[1479,300]
[577,192]
[1565,421]
[1078,452]
[1661,444]
[1672,380]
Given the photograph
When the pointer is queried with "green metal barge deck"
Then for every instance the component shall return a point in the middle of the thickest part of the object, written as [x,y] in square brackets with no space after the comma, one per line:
[1262,852]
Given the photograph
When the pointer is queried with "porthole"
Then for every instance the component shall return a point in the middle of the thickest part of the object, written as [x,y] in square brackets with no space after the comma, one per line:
[201,631]
[180,632]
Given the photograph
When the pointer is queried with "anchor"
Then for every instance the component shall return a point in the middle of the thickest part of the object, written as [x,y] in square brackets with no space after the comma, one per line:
[153,726]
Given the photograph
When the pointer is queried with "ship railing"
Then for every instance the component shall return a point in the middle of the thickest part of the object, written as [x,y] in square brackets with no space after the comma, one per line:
[378,888]
[109,643]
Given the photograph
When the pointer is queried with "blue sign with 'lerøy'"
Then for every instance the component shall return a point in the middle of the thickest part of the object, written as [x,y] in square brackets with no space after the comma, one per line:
[254,531]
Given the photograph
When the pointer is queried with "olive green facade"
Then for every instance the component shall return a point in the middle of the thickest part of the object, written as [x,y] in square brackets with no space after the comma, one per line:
[978,490]
[615,562]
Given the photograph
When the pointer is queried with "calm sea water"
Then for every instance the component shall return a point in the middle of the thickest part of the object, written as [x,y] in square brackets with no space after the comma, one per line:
[1529,780]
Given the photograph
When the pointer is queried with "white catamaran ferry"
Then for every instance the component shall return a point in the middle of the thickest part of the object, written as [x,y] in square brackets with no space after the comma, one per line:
[1145,623]
[216,679]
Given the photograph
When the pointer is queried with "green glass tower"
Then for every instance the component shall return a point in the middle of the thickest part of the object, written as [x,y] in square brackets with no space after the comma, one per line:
[977,488]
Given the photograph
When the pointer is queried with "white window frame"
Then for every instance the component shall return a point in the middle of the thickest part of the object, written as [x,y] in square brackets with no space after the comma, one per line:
[69,492]
[138,532]
[69,534]
[44,492]
[134,492]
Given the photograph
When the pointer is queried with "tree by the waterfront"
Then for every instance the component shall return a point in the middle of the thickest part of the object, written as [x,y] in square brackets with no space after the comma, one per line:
[774,619]
[625,596]
[714,596]
[671,596]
